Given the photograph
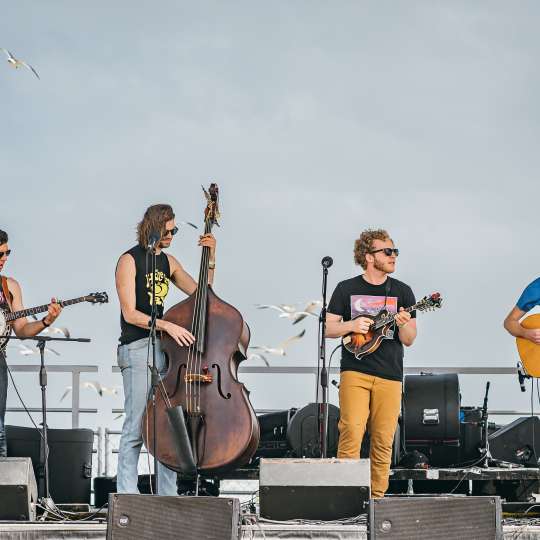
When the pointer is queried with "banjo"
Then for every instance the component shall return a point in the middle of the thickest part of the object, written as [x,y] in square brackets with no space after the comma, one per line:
[6,316]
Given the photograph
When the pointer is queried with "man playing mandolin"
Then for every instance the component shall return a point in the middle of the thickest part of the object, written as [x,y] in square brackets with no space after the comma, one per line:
[527,301]
[134,287]
[370,387]
[11,300]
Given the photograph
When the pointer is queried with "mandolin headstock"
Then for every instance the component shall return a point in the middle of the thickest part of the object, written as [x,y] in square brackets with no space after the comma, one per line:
[211,212]
[430,303]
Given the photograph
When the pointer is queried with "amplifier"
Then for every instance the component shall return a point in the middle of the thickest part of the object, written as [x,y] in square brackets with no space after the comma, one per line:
[324,489]
[155,517]
[517,442]
[70,460]
[448,518]
[18,490]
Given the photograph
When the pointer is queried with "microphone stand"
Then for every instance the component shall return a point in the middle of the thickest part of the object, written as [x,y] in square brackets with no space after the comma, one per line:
[323,406]
[485,441]
[153,369]
[43,481]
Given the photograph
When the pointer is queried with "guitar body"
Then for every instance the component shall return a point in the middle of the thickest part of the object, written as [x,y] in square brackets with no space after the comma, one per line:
[529,352]
[362,344]
[5,329]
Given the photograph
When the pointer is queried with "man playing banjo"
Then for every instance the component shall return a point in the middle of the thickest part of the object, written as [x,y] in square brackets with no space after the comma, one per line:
[11,300]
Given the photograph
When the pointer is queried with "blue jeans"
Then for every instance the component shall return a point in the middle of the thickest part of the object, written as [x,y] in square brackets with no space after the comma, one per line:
[132,360]
[3,398]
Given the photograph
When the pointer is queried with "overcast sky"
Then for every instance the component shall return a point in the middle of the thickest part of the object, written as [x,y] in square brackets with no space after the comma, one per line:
[317,120]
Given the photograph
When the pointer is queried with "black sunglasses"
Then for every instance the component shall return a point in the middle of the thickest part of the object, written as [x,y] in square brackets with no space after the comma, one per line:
[171,231]
[6,253]
[387,251]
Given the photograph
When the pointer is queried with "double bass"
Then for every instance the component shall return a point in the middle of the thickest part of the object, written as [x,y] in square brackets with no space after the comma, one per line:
[204,421]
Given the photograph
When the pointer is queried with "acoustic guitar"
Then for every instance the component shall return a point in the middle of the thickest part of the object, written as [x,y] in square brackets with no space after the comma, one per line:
[383,327]
[529,352]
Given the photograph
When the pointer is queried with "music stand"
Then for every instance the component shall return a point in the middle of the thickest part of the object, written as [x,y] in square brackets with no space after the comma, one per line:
[43,481]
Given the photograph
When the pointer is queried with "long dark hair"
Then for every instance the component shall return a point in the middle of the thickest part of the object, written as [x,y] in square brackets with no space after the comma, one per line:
[3,237]
[154,219]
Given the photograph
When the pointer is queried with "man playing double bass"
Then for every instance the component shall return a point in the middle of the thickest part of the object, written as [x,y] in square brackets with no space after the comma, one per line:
[370,388]
[134,287]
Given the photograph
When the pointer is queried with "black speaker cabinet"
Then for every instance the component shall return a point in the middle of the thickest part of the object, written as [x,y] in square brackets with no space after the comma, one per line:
[70,459]
[448,518]
[18,491]
[154,517]
[324,489]
[517,442]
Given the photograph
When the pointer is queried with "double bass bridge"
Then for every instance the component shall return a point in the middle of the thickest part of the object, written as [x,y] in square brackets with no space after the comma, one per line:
[205,377]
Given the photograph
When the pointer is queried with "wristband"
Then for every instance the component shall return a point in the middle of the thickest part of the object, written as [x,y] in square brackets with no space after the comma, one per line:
[211,265]
[44,323]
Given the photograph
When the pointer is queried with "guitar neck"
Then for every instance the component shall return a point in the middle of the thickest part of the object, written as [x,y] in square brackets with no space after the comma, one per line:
[42,309]
[391,317]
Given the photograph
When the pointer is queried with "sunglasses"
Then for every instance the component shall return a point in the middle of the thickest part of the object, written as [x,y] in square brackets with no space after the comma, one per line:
[387,251]
[172,232]
[6,253]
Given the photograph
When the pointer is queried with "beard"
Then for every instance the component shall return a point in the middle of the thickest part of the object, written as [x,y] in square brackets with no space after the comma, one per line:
[382,267]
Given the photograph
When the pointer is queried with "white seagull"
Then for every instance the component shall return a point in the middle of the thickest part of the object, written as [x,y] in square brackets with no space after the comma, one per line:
[96,386]
[258,357]
[290,312]
[54,329]
[16,63]
[280,349]
[27,351]
[182,223]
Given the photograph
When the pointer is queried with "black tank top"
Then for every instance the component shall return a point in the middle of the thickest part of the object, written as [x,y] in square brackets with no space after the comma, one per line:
[143,291]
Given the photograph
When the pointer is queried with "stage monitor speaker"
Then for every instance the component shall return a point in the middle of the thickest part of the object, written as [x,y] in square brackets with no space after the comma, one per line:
[448,518]
[70,459]
[18,490]
[324,489]
[517,442]
[154,517]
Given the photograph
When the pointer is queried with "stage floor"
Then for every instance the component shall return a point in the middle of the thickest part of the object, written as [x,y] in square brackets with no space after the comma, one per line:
[95,531]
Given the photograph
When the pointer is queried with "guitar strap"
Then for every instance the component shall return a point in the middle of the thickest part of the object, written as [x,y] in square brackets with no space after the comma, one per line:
[387,290]
[6,293]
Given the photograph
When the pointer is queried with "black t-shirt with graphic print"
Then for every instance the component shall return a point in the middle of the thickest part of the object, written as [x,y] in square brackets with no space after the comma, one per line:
[143,290]
[356,296]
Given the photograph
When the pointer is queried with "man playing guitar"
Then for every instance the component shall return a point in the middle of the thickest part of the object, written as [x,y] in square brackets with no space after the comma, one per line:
[370,387]
[134,287]
[528,299]
[11,300]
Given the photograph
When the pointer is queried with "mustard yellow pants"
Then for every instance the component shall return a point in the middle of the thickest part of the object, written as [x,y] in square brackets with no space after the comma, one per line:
[364,398]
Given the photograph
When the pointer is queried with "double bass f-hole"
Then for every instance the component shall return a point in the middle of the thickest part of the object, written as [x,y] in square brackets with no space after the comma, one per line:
[218,369]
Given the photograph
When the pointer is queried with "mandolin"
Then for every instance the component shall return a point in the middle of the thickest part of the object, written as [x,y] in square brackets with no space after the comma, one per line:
[6,317]
[529,352]
[383,327]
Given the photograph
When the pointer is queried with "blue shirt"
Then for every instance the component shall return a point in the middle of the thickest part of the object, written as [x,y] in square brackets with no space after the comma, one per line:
[530,297]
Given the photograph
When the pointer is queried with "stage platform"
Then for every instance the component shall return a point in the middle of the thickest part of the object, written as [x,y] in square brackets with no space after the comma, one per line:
[519,530]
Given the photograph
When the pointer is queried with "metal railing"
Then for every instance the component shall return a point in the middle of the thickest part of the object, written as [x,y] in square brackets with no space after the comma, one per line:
[104,448]
[75,371]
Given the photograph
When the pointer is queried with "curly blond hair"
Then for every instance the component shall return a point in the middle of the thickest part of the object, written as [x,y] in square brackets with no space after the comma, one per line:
[364,244]
[154,219]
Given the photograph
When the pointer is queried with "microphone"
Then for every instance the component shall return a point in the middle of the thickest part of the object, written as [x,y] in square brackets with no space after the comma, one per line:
[153,239]
[327,262]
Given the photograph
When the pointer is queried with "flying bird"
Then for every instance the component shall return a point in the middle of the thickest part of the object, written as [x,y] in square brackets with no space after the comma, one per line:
[16,63]
[93,385]
[290,312]
[258,357]
[27,351]
[54,329]
[279,349]
[182,223]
